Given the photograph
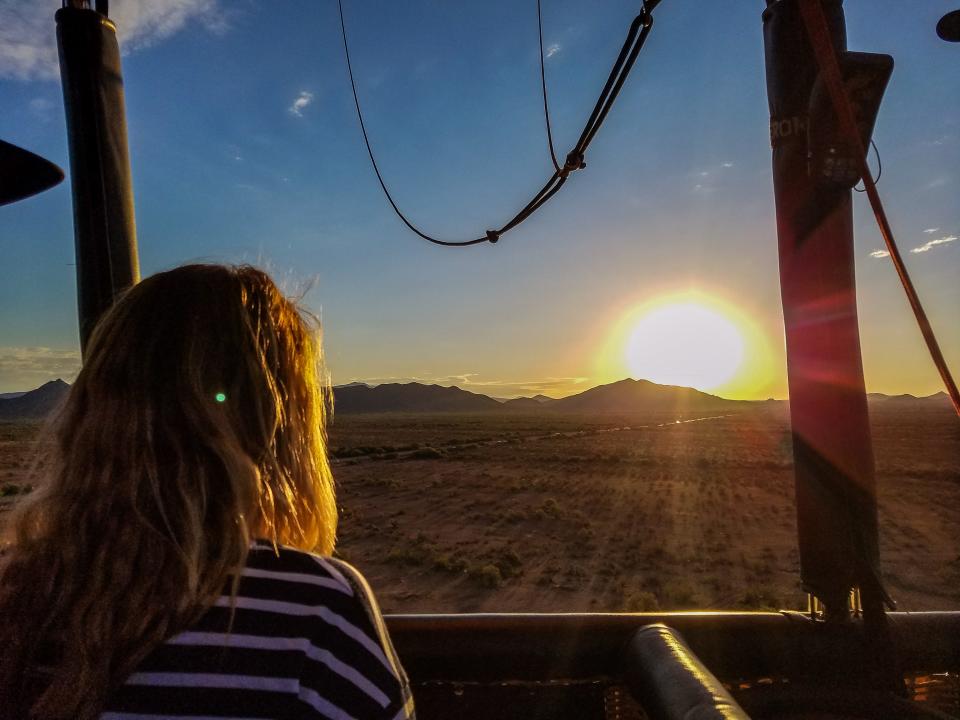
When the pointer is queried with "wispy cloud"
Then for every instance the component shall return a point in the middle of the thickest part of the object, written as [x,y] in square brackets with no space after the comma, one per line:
[24,368]
[41,107]
[707,179]
[945,139]
[931,231]
[28,46]
[553,49]
[879,254]
[300,103]
[930,244]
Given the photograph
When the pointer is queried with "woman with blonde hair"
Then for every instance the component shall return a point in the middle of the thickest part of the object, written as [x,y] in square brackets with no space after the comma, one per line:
[176,560]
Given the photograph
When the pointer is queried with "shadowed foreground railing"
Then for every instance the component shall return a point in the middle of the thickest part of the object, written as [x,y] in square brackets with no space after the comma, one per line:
[574,665]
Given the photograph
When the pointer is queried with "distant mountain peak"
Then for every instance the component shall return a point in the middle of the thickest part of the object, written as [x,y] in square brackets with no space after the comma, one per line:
[630,395]
[36,404]
[409,397]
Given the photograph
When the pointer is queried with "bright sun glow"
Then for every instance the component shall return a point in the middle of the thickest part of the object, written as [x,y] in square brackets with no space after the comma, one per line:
[692,339]
[685,343]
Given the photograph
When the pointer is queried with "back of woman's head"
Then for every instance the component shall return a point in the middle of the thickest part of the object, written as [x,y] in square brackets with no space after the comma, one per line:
[196,423]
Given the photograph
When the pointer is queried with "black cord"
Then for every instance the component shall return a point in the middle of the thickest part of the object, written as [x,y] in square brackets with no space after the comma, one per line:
[636,36]
[879,167]
[647,22]
[605,93]
[543,84]
[373,160]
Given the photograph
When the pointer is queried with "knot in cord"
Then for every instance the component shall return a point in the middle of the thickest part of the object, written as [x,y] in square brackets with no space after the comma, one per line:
[574,161]
[493,236]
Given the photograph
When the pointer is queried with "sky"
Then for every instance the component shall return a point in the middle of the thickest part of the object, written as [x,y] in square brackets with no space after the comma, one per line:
[245,147]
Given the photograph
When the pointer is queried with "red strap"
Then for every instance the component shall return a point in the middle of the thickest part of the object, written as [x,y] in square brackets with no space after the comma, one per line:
[819,34]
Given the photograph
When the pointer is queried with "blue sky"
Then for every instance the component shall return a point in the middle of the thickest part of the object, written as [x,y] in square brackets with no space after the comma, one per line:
[245,148]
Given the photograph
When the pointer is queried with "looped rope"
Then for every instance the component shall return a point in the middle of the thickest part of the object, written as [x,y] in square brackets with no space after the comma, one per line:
[636,36]
[879,168]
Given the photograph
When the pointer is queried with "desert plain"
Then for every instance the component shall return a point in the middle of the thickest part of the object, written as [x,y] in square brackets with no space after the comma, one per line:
[593,513]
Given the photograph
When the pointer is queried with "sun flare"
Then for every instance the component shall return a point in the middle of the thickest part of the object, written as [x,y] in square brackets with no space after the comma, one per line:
[685,343]
[693,339]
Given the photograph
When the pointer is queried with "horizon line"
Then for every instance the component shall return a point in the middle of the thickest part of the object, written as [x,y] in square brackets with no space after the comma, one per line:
[504,398]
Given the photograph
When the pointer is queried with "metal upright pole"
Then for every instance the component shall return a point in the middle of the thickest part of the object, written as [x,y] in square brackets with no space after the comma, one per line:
[833,454]
[103,215]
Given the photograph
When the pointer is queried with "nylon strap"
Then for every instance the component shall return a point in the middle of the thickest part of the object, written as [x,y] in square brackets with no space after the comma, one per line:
[819,34]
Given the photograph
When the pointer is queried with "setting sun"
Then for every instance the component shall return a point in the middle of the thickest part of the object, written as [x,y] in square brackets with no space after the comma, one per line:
[685,343]
[690,338]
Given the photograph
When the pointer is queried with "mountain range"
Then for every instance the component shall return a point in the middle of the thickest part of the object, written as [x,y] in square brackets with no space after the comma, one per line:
[35,404]
[622,397]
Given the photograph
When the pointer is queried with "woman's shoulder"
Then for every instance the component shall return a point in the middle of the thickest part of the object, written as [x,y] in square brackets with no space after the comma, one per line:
[340,599]
[288,575]
[290,565]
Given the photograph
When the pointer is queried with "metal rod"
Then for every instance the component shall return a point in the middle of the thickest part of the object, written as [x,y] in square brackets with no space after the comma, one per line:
[103,214]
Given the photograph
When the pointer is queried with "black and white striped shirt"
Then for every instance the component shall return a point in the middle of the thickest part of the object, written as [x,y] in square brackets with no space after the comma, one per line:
[306,641]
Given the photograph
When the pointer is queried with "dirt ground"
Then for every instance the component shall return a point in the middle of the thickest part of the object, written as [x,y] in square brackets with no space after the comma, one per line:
[502,513]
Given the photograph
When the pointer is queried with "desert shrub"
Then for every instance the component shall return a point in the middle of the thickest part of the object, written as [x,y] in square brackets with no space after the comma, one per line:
[417,551]
[641,601]
[548,509]
[508,563]
[487,575]
[415,555]
[574,576]
[680,594]
[760,598]
[383,482]
[515,515]
[449,562]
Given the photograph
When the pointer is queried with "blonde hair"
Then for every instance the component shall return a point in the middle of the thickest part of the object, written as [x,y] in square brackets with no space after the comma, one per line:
[195,425]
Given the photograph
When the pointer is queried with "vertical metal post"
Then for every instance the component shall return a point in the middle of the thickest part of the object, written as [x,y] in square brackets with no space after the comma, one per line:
[103,215]
[833,454]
